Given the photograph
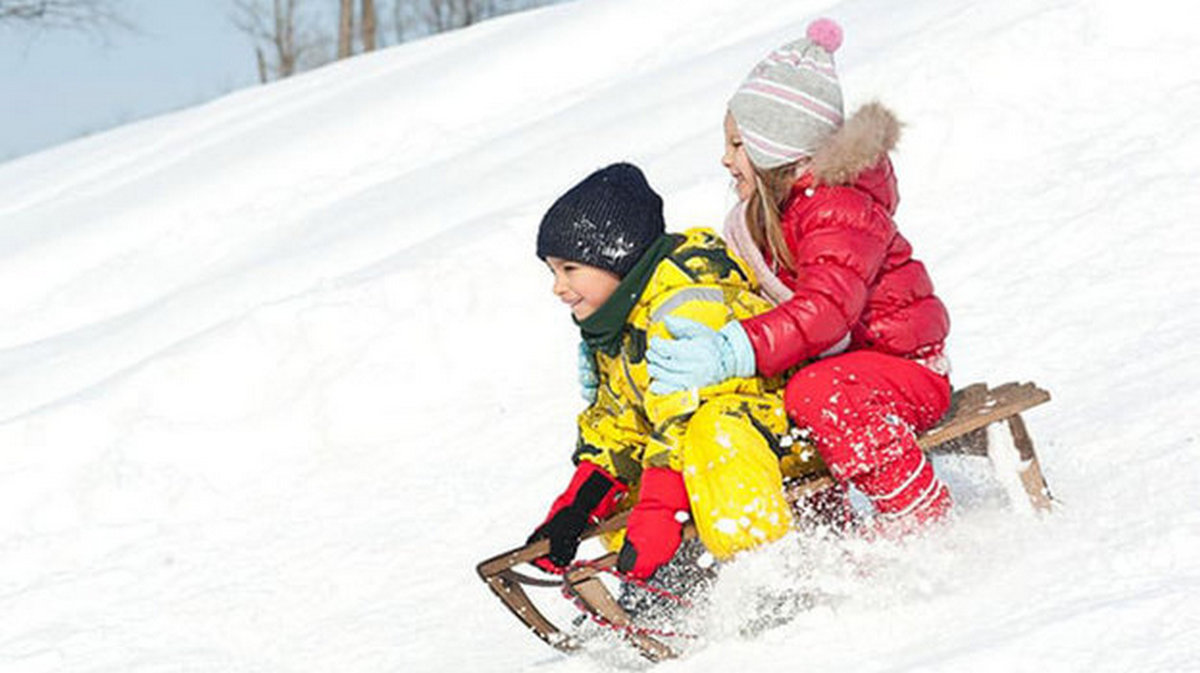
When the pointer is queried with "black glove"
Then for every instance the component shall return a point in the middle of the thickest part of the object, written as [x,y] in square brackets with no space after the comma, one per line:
[563,529]
[591,495]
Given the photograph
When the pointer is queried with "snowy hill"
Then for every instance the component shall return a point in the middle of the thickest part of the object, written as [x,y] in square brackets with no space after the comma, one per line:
[277,371]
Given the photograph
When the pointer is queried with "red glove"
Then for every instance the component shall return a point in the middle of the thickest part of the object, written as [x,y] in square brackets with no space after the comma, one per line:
[654,530]
[591,496]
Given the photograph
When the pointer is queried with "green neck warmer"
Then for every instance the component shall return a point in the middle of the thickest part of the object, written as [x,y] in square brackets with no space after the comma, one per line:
[602,329]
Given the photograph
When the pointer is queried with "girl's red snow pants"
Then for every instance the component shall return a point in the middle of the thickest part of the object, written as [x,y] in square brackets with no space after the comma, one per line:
[864,409]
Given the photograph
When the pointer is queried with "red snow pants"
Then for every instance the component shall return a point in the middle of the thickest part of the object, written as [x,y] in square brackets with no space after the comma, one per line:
[864,409]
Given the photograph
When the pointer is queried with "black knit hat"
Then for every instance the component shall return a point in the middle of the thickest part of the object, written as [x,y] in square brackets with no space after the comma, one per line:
[607,221]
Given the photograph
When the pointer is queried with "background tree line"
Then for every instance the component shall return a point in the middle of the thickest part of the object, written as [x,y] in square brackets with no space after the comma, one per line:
[292,36]
[289,36]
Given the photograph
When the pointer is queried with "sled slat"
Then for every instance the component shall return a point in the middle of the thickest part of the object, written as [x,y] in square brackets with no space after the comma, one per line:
[529,552]
[972,411]
[971,396]
[1003,390]
[796,490]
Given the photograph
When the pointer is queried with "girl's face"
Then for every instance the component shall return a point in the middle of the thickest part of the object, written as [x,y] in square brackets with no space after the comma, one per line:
[583,287]
[737,161]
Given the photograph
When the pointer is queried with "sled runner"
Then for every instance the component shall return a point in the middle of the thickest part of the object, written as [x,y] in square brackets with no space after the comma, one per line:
[963,431]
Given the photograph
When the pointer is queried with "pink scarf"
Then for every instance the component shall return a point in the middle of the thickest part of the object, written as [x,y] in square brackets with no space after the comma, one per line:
[737,236]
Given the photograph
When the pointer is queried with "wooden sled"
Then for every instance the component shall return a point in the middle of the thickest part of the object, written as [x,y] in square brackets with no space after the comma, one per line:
[963,431]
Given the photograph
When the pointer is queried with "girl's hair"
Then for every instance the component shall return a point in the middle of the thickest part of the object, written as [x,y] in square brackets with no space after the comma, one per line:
[764,211]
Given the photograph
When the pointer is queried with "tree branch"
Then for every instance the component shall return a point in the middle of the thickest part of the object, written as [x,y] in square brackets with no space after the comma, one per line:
[81,15]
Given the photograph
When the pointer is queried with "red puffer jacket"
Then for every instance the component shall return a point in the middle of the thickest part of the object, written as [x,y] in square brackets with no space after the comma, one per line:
[854,277]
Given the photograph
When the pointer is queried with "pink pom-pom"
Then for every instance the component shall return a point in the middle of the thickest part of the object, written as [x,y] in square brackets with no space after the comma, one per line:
[826,34]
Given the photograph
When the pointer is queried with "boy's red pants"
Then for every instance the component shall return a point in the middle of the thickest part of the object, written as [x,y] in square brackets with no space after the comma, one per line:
[864,409]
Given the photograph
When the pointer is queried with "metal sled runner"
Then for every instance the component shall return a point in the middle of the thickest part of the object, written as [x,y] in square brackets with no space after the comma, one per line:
[963,431]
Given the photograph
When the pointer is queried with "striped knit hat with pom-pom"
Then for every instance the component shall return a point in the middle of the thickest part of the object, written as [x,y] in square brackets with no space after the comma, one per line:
[791,102]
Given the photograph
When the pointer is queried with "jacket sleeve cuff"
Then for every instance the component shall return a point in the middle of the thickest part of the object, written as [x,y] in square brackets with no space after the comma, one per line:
[773,352]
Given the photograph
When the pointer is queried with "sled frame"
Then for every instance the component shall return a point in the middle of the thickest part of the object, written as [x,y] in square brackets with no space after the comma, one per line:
[508,584]
[584,585]
[962,431]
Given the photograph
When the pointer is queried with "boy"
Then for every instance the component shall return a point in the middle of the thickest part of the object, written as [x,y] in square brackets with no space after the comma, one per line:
[625,280]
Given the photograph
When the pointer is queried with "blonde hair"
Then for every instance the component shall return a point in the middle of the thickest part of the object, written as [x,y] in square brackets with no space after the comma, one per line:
[764,211]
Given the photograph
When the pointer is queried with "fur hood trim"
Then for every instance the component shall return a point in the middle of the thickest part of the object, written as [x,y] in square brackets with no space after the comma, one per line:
[858,145]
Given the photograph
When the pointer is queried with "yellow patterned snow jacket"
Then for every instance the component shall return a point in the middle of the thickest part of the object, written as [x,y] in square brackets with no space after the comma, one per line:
[628,428]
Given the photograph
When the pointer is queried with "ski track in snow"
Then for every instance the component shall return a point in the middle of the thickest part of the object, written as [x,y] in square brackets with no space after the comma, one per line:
[278,370]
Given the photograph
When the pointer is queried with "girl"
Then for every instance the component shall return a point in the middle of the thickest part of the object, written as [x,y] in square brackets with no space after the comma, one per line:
[852,305]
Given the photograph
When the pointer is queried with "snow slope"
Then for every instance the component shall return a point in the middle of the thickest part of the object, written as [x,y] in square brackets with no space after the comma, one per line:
[278,370]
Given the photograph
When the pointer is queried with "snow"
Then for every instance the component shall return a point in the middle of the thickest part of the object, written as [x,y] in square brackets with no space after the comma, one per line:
[278,370]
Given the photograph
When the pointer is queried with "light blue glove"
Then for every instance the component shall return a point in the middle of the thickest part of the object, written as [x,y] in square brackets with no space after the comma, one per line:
[589,383]
[698,356]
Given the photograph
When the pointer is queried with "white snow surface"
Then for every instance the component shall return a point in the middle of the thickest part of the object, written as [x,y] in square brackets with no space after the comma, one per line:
[278,370]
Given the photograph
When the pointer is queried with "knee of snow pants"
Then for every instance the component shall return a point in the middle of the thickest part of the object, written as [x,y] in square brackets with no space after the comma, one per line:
[732,474]
[864,410]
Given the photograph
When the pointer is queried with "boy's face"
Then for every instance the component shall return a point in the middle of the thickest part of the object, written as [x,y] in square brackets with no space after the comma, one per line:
[583,287]
[736,161]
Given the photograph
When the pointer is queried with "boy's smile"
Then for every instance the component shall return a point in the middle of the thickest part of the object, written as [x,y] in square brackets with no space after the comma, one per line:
[580,286]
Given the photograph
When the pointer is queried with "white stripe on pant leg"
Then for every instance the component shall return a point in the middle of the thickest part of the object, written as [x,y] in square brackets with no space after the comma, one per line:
[907,482]
[934,485]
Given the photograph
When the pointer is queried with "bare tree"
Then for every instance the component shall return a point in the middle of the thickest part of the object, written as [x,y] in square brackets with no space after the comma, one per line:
[83,15]
[411,19]
[345,32]
[442,15]
[402,21]
[284,40]
[474,11]
[370,25]
[438,14]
